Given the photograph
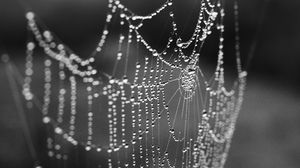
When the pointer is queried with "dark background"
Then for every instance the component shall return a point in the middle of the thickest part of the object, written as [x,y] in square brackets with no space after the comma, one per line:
[268,129]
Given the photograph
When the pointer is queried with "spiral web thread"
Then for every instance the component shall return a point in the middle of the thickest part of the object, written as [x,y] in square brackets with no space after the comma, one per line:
[159,109]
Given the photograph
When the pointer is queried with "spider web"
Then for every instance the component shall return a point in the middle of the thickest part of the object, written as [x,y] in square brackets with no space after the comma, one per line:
[156,109]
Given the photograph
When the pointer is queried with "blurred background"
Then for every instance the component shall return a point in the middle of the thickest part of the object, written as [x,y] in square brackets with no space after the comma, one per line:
[268,129]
